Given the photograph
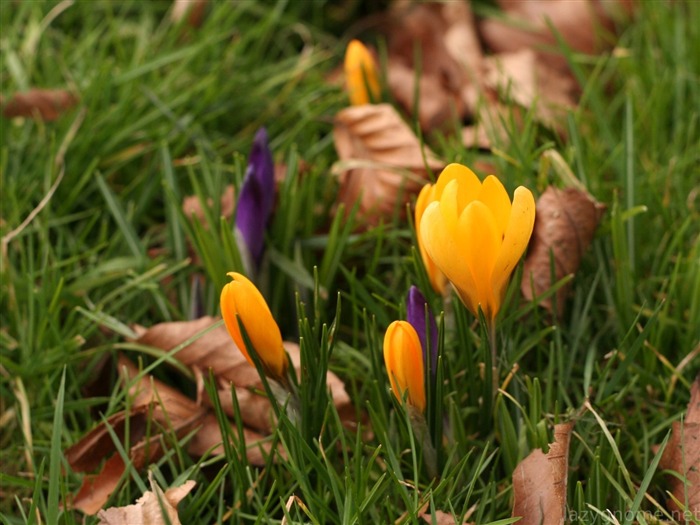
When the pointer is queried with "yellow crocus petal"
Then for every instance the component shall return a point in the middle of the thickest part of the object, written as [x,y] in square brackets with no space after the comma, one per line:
[515,240]
[437,279]
[447,250]
[482,242]
[495,196]
[468,183]
[240,299]
[403,356]
[360,74]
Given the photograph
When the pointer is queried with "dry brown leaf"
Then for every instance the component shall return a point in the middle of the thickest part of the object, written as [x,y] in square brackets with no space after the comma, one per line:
[582,25]
[46,103]
[192,10]
[217,352]
[192,205]
[539,482]
[682,455]
[442,518]
[531,83]
[423,24]
[435,104]
[381,159]
[450,59]
[565,223]
[153,508]
[208,440]
[156,409]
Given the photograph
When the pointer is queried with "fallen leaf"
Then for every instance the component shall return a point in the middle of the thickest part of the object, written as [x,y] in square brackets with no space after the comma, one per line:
[450,60]
[156,412]
[584,26]
[48,104]
[380,160]
[217,352]
[531,83]
[155,507]
[435,104]
[565,223]
[423,25]
[191,10]
[539,482]
[442,518]
[682,455]
[209,441]
[193,208]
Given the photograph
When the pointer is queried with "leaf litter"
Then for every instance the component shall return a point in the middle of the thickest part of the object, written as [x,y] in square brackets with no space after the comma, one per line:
[159,415]
[155,507]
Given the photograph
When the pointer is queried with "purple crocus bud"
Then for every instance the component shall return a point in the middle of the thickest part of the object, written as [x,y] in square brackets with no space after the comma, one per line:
[415,314]
[256,197]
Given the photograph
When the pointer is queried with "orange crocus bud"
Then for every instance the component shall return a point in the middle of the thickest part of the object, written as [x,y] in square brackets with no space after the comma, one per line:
[403,356]
[242,301]
[476,236]
[360,74]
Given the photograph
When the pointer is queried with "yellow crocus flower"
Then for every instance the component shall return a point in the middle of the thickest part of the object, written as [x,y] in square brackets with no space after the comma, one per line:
[403,356]
[437,279]
[240,299]
[475,236]
[360,74]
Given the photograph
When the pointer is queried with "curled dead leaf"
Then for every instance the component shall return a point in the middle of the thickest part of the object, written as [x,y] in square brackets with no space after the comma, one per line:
[539,482]
[584,26]
[565,224]
[48,104]
[450,59]
[216,351]
[682,455]
[381,159]
[522,78]
[155,507]
[157,412]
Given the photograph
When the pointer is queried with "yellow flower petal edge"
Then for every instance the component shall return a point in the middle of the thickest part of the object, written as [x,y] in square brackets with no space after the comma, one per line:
[474,235]
[361,75]
[403,356]
[240,299]
[437,279]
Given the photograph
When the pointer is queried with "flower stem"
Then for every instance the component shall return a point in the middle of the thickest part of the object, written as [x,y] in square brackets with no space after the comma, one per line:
[494,358]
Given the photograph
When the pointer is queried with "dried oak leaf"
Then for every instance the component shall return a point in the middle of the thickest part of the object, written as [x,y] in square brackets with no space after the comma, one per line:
[155,507]
[381,159]
[583,25]
[216,351]
[46,103]
[156,413]
[682,455]
[565,223]
[524,79]
[539,482]
[450,59]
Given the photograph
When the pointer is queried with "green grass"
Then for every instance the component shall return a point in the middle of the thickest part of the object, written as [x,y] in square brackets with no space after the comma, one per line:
[166,112]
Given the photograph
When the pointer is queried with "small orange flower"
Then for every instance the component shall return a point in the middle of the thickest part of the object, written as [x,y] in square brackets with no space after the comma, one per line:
[360,74]
[403,356]
[241,300]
